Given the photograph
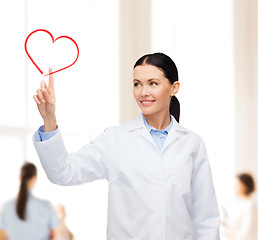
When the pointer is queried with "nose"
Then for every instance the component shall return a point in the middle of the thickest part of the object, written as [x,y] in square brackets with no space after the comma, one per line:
[145,91]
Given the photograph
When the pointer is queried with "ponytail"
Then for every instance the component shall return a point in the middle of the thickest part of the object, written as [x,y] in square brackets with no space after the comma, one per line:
[22,199]
[28,171]
[174,108]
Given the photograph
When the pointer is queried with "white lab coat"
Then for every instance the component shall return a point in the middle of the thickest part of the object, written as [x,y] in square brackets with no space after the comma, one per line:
[153,195]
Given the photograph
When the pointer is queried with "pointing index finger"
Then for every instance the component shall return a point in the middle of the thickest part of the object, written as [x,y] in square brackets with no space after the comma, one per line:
[51,79]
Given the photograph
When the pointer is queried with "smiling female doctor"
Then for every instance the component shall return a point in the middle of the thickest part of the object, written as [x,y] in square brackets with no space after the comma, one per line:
[160,183]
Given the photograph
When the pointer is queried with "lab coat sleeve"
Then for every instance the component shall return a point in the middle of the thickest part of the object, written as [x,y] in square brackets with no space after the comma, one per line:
[85,165]
[205,211]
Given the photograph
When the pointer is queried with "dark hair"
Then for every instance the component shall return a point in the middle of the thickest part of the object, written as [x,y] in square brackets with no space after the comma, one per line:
[168,67]
[248,181]
[28,171]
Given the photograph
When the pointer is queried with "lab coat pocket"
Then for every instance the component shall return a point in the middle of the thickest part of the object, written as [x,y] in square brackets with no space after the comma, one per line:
[190,237]
[183,186]
[183,175]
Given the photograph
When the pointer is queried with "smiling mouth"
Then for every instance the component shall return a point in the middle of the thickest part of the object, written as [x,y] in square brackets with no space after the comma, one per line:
[147,102]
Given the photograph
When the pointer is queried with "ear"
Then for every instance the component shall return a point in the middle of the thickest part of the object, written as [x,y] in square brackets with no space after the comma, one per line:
[174,88]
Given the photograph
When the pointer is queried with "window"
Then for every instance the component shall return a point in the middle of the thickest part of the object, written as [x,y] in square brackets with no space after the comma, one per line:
[201,44]
[87,98]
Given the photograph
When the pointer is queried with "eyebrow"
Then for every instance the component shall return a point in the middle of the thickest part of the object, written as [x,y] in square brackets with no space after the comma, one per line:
[148,80]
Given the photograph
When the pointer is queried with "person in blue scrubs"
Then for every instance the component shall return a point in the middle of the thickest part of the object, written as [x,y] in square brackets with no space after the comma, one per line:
[27,217]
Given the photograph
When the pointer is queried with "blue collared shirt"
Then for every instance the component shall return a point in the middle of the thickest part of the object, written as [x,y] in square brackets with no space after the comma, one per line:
[159,136]
[45,135]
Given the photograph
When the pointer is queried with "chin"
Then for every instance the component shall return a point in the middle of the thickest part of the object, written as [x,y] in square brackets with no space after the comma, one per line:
[146,112]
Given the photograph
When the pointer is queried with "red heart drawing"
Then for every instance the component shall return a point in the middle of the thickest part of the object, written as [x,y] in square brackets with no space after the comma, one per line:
[43,30]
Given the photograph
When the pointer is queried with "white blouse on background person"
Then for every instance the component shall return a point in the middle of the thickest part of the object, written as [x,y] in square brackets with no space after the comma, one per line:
[240,223]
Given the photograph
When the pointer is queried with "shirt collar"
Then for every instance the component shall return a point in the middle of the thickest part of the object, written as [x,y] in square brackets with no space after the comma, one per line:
[150,128]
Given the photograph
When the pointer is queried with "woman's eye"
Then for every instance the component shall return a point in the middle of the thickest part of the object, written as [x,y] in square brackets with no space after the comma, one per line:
[153,83]
[136,84]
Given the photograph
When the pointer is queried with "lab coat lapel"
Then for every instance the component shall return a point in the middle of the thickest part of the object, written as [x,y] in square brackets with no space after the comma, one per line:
[138,125]
[175,133]
[146,134]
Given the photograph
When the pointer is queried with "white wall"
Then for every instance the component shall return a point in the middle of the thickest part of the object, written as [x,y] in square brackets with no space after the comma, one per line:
[198,36]
[246,85]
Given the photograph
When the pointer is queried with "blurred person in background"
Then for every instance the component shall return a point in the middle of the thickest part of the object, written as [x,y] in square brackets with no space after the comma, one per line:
[2,234]
[63,232]
[27,217]
[240,218]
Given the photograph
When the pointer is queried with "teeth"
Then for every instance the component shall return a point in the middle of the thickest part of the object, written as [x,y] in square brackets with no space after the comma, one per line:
[146,101]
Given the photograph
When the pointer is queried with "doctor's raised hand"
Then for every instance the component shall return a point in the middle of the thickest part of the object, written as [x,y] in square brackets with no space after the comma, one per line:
[45,100]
